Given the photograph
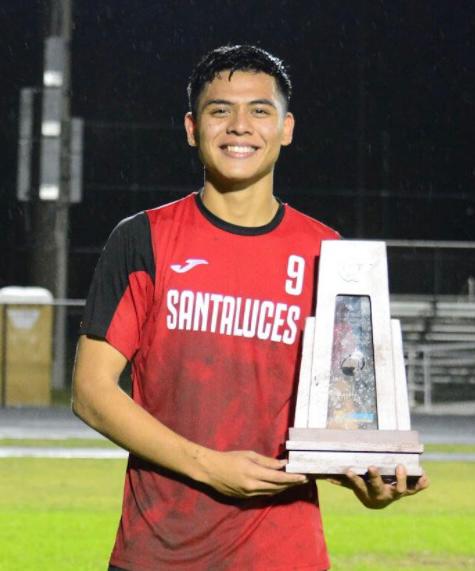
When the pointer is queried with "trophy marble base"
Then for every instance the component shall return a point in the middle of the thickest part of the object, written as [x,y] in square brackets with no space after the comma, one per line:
[332,452]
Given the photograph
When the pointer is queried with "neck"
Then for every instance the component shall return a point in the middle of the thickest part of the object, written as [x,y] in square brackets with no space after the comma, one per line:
[252,206]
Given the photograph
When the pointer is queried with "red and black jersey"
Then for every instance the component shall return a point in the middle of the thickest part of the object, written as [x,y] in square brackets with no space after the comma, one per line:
[211,316]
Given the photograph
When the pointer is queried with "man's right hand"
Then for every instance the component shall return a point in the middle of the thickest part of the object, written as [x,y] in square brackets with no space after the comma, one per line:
[244,473]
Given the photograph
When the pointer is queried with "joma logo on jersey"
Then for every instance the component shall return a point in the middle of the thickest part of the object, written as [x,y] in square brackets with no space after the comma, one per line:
[189,264]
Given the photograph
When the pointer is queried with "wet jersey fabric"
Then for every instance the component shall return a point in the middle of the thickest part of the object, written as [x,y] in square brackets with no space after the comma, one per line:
[211,316]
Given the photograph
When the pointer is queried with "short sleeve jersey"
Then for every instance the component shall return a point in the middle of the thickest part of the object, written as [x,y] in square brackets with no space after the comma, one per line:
[211,316]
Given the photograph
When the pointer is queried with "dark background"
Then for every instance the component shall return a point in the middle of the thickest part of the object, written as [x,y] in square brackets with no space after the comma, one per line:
[383,98]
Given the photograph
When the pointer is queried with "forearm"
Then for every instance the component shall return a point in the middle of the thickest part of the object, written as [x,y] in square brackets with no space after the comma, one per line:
[115,415]
[100,402]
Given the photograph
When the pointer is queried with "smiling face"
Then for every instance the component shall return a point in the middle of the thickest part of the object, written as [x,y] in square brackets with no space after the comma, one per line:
[242,123]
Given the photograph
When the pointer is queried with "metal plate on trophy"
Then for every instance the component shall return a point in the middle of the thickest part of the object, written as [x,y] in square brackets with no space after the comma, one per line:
[352,408]
[352,388]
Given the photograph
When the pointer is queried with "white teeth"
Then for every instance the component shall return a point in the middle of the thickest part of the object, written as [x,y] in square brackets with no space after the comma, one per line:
[239,149]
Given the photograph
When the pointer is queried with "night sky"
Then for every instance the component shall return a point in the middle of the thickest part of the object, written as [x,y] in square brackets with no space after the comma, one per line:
[393,79]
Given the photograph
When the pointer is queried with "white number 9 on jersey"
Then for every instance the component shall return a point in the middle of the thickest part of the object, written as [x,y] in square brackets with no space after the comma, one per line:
[295,272]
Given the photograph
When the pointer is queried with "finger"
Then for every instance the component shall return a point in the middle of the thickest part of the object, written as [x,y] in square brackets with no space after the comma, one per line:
[268,491]
[421,484]
[357,484]
[341,481]
[286,479]
[375,481]
[278,477]
[334,481]
[267,461]
[273,470]
[268,488]
[401,481]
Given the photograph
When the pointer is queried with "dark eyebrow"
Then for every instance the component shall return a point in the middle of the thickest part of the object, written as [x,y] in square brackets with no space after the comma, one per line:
[216,102]
[227,102]
[263,102]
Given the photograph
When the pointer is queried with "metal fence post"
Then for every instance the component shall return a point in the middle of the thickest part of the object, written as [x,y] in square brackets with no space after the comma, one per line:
[4,355]
[411,364]
[426,363]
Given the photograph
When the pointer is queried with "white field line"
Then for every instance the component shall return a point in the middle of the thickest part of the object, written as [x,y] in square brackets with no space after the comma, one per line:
[106,453]
[44,452]
[448,457]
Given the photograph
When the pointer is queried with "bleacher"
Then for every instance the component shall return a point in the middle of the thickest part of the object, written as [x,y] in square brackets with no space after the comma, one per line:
[439,344]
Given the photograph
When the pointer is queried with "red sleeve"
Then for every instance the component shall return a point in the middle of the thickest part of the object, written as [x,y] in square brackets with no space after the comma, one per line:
[121,292]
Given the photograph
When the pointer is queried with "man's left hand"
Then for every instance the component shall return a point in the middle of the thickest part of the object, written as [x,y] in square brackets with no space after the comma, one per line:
[374,493]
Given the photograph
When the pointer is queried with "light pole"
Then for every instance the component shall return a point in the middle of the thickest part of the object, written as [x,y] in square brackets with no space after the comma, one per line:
[49,168]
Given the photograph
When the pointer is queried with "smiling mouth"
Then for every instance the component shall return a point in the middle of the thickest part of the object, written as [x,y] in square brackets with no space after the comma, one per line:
[239,150]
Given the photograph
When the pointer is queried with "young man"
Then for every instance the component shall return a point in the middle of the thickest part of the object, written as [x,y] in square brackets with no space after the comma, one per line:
[207,298]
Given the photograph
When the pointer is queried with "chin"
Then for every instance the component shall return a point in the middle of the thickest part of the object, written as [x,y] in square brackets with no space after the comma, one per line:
[225,184]
[234,181]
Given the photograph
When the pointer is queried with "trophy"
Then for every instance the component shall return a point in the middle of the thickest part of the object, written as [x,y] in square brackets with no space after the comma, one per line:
[352,408]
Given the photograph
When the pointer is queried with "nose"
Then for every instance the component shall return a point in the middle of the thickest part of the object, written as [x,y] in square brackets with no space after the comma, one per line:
[239,122]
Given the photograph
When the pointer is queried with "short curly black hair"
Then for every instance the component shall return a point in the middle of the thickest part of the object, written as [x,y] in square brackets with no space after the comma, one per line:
[237,58]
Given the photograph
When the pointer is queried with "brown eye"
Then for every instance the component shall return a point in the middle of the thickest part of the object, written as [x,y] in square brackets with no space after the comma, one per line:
[261,111]
[219,111]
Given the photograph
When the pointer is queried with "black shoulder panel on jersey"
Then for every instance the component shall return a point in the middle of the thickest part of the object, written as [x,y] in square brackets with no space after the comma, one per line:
[132,237]
[128,250]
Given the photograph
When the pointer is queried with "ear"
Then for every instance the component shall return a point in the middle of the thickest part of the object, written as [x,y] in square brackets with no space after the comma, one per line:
[190,128]
[288,129]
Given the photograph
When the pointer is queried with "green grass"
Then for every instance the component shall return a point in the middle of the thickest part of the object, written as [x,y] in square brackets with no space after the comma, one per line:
[450,448]
[434,530]
[61,515]
[58,514]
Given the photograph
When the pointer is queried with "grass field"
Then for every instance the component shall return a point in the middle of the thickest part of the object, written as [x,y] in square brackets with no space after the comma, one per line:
[61,515]
[434,530]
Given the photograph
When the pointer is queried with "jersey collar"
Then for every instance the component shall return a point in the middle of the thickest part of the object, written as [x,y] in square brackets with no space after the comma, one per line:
[242,230]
